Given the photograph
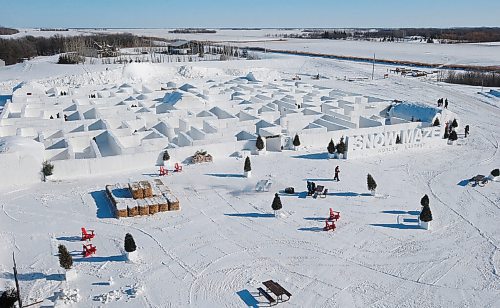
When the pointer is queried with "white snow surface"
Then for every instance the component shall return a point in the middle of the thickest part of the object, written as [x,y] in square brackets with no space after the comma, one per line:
[225,240]
[16,144]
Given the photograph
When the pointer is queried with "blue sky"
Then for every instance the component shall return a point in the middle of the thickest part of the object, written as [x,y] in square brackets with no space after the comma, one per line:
[249,13]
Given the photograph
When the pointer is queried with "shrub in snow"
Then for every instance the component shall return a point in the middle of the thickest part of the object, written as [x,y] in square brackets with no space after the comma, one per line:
[8,298]
[398,139]
[372,185]
[341,146]
[331,147]
[426,214]
[47,169]
[259,143]
[65,259]
[436,122]
[424,201]
[248,165]
[453,136]
[495,172]
[296,140]
[166,156]
[276,206]
[454,124]
[129,243]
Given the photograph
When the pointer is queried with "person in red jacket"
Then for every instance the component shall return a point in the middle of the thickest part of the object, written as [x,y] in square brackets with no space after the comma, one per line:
[337,171]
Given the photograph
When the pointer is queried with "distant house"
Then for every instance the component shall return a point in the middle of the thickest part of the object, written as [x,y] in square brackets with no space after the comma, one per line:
[2,63]
[180,47]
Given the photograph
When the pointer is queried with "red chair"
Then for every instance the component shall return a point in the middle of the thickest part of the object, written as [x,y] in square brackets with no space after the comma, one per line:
[334,215]
[163,171]
[88,250]
[178,167]
[329,225]
[87,235]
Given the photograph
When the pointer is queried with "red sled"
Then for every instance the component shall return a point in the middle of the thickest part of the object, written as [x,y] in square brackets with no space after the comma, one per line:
[87,235]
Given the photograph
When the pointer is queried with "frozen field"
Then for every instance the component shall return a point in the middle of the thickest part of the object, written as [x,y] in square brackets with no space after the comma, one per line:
[225,240]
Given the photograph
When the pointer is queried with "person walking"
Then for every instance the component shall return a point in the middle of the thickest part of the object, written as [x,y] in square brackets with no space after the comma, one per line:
[337,171]
[466,131]
[446,103]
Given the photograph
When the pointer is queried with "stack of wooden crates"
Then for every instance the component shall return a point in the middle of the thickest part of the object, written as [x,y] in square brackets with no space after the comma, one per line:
[141,198]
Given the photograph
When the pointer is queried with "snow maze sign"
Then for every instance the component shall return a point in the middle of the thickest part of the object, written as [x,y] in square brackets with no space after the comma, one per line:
[387,141]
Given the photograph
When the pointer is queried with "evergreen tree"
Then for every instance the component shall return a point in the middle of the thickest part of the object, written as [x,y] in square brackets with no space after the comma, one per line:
[276,204]
[341,146]
[426,214]
[424,201]
[372,185]
[296,140]
[65,259]
[453,136]
[8,298]
[166,156]
[331,147]
[436,122]
[259,143]
[248,166]
[398,139]
[454,124]
[129,243]
[495,172]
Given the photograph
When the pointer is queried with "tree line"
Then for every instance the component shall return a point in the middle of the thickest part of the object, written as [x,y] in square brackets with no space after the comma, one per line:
[473,78]
[8,31]
[16,50]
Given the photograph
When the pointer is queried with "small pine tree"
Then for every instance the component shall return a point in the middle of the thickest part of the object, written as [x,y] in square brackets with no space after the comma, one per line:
[424,201]
[495,172]
[8,298]
[372,185]
[296,140]
[65,259]
[129,243]
[454,124]
[398,139]
[248,166]
[426,214]
[276,206]
[436,122]
[47,169]
[331,147]
[453,136]
[259,143]
[166,156]
[341,146]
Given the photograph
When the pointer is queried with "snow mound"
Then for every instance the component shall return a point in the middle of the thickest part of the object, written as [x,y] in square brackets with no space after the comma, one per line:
[263,75]
[415,111]
[16,144]
[68,296]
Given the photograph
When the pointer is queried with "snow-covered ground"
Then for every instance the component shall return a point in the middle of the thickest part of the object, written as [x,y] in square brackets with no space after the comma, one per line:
[224,242]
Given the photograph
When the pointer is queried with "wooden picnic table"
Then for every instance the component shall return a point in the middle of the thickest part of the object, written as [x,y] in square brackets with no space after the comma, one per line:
[277,289]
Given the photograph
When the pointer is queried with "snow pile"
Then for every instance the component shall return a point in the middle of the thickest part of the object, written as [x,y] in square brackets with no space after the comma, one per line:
[111,296]
[263,75]
[68,296]
[414,111]
[21,145]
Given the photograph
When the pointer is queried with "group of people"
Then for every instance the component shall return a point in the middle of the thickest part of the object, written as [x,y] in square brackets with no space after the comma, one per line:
[441,102]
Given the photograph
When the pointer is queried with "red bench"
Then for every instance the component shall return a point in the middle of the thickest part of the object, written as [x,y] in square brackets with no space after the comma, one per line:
[88,250]
[334,215]
[87,235]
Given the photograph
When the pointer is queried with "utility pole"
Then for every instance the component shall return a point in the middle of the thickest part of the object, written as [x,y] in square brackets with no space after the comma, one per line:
[17,283]
[373,65]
